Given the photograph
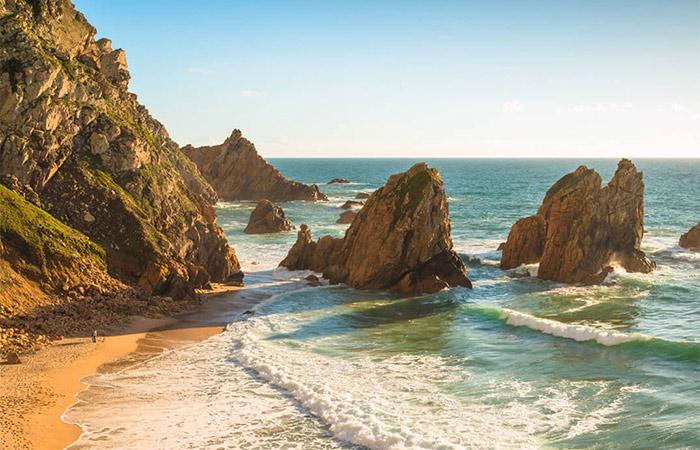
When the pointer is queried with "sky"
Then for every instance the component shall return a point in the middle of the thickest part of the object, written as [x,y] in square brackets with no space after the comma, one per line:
[557,78]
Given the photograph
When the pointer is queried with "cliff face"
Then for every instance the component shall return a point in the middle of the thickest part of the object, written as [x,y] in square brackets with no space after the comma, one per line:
[72,134]
[582,228]
[238,172]
[400,240]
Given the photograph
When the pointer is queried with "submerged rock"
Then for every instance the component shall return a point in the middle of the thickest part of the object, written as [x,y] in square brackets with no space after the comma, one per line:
[691,239]
[238,172]
[362,196]
[346,217]
[582,229]
[400,240]
[267,218]
[351,204]
[338,181]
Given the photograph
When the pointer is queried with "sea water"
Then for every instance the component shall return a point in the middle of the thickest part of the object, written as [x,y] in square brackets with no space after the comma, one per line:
[515,362]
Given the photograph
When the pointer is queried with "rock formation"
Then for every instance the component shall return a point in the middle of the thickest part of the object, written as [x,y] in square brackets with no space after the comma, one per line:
[361,196]
[338,181]
[582,229]
[238,172]
[691,239]
[101,194]
[267,218]
[351,204]
[400,240]
[346,217]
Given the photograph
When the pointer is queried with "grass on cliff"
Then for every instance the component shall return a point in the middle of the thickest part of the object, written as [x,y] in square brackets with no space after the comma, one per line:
[414,188]
[36,228]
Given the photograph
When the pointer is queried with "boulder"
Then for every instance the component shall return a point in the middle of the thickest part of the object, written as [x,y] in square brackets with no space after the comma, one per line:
[267,218]
[400,240]
[338,181]
[346,217]
[351,204]
[362,196]
[691,239]
[238,172]
[13,358]
[583,229]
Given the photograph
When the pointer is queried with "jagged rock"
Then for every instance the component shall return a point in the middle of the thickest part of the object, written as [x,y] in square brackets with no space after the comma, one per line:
[267,218]
[238,172]
[346,217]
[361,196]
[691,239]
[351,204]
[400,240]
[71,133]
[500,246]
[338,181]
[582,229]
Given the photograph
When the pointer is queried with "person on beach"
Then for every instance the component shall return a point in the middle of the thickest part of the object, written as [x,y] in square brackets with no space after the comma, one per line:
[94,336]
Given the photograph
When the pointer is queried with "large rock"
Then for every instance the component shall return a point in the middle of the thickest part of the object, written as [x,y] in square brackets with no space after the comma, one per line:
[346,217]
[400,240]
[73,135]
[267,218]
[582,229]
[238,172]
[691,239]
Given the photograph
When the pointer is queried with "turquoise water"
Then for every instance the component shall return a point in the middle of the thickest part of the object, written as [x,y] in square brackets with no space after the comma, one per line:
[515,362]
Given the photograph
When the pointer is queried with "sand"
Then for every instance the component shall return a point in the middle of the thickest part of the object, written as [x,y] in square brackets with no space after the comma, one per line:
[34,394]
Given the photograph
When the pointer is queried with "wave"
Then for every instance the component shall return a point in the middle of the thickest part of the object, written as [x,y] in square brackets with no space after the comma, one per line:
[677,350]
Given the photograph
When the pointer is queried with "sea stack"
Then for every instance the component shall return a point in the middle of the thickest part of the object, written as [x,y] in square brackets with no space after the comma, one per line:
[582,229]
[237,172]
[400,240]
[267,218]
[691,239]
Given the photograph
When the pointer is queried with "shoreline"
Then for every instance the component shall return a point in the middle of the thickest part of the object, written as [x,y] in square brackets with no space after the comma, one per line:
[35,394]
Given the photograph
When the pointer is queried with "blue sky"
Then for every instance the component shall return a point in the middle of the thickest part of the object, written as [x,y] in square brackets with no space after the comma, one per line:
[442,79]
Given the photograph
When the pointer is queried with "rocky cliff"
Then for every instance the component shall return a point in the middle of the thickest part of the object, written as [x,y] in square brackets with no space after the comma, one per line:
[582,228]
[400,240]
[238,172]
[691,239]
[77,144]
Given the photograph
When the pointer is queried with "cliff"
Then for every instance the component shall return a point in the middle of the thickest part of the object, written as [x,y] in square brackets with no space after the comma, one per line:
[237,172]
[582,228]
[77,144]
[399,240]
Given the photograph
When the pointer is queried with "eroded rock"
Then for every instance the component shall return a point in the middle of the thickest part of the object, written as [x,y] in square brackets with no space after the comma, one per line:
[267,218]
[400,240]
[238,172]
[691,239]
[582,229]
[346,217]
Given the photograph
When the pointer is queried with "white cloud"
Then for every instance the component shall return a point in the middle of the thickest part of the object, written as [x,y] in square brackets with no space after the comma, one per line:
[247,93]
[279,140]
[514,105]
[677,106]
[200,71]
[601,107]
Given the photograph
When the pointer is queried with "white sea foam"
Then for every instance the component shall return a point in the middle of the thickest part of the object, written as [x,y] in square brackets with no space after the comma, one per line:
[576,332]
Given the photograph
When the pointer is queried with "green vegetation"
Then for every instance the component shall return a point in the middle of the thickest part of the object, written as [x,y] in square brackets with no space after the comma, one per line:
[39,230]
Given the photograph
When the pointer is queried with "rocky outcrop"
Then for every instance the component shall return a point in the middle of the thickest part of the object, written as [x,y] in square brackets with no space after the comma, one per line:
[582,229]
[691,239]
[238,172]
[362,196]
[338,181]
[124,207]
[267,218]
[400,240]
[346,217]
[351,204]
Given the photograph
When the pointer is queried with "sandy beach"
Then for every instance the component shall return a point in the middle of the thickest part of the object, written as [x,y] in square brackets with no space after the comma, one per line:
[34,394]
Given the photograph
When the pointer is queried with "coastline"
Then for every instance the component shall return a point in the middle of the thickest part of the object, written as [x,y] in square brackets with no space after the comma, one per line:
[35,394]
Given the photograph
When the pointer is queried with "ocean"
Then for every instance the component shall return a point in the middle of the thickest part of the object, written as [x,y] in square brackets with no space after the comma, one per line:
[515,362]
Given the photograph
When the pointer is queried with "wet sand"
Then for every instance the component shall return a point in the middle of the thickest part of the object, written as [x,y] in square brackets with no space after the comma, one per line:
[34,394]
